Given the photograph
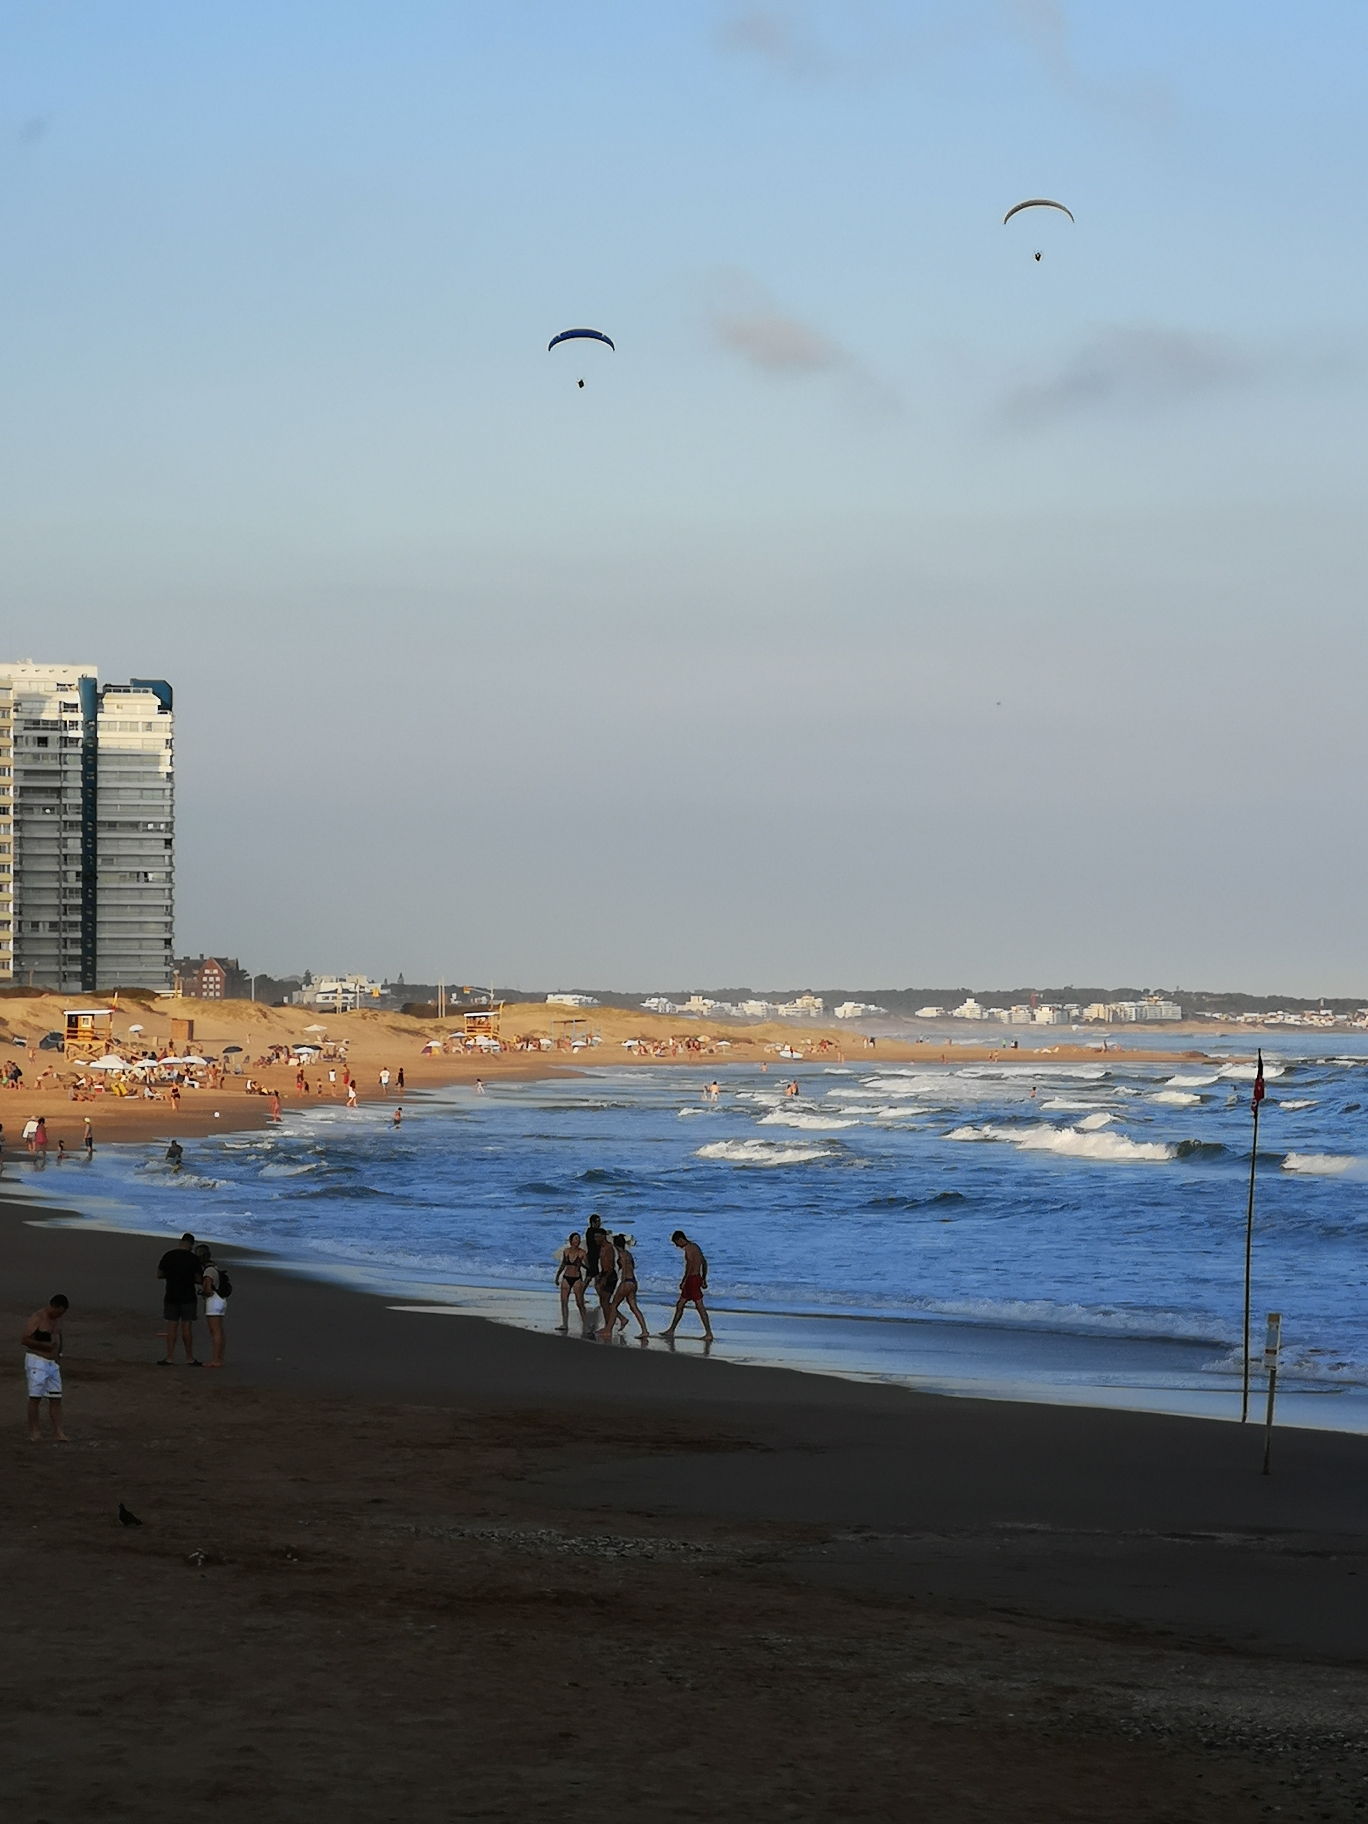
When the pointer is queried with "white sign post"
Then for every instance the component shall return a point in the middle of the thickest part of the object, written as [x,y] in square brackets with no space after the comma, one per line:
[1272,1343]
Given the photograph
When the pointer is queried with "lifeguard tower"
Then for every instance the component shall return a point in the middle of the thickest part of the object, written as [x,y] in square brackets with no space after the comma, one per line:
[89,1032]
[480,1025]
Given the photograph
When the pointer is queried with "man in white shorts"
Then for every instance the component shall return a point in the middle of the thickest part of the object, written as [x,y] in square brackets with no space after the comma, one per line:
[42,1351]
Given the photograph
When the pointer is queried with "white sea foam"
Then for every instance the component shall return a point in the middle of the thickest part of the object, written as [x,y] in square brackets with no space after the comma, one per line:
[1245,1073]
[1319,1165]
[1054,1073]
[1067,1105]
[1091,1123]
[1175,1098]
[1071,1142]
[1301,1102]
[817,1124]
[1193,1082]
[289,1171]
[762,1152]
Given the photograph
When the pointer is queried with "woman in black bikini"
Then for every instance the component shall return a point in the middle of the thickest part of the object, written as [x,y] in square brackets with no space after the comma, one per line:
[570,1275]
[626,1293]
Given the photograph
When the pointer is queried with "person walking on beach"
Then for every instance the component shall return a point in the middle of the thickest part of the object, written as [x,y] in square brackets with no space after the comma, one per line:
[571,1270]
[399,1080]
[604,1268]
[180,1305]
[384,1081]
[351,1095]
[693,1284]
[275,1105]
[215,1288]
[88,1140]
[42,1342]
[626,1293]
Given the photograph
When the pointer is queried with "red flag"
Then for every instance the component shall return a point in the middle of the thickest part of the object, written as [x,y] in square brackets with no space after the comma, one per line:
[1259,1083]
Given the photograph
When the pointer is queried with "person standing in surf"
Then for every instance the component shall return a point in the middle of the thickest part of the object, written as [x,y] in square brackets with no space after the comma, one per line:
[572,1267]
[626,1293]
[692,1286]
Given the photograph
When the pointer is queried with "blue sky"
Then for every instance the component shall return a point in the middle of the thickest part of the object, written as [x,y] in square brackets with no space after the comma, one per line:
[890,607]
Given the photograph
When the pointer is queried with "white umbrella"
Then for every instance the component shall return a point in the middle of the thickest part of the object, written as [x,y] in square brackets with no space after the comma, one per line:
[194,1058]
[135,1029]
[315,1029]
[109,1063]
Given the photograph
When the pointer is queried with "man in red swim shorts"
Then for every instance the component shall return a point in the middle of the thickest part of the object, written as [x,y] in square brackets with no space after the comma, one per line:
[693,1285]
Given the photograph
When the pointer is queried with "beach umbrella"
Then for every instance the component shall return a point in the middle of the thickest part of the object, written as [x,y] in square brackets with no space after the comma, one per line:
[194,1058]
[109,1062]
[315,1029]
[228,1048]
[135,1029]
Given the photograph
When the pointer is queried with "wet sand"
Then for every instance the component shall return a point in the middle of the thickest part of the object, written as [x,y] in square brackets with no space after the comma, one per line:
[401,1567]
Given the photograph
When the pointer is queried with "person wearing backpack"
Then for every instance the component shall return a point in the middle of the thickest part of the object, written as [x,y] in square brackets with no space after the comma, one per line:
[217,1289]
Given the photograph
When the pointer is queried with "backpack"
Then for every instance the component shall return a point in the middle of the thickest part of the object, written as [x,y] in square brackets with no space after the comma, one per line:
[225,1285]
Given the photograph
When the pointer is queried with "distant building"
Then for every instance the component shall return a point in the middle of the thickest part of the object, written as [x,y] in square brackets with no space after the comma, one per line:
[804,1007]
[338,993]
[968,1010]
[212,978]
[930,1013]
[857,1010]
[759,1010]
[571,1000]
[656,1004]
[87,823]
[1020,1015]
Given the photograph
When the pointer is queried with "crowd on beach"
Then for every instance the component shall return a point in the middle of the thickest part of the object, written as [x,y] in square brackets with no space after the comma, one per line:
[604,1263]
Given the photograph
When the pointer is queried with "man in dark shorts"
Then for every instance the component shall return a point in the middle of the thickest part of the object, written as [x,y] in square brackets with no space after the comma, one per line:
[693,1284]
[182,1273]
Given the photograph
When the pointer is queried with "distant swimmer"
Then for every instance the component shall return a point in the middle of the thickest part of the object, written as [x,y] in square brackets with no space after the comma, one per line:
[693,1284]
[398,1113]
[791,1089]
[175,1155]
[479,1086]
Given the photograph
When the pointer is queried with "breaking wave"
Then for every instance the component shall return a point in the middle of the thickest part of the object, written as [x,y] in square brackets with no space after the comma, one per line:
[763,1152]
[1072,1143]
[1175,1098]
[1319,1165]
[817,1124]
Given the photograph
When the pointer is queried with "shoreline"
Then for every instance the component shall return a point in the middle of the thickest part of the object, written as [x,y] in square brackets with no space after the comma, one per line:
[942,1355]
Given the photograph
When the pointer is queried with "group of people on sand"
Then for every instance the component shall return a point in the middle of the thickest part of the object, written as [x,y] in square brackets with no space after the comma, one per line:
[605,1263]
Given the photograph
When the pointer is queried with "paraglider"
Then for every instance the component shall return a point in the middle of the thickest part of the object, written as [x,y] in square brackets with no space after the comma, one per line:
[1036,202]
[580,335]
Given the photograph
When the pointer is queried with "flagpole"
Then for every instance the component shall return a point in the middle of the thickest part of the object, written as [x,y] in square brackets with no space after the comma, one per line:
[1249,1233]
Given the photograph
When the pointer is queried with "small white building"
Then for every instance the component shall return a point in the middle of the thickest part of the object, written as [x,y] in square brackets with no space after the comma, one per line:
[339,993]
[573,1000]
[967,1010]
[857,1010]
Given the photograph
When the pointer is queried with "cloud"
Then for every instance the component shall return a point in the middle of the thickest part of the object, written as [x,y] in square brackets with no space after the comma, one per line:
[1131,368]
[775,38]
[749,324]
[778,344]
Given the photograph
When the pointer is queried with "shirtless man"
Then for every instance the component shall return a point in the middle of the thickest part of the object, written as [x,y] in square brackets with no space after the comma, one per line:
[42,1349]
[692,1286]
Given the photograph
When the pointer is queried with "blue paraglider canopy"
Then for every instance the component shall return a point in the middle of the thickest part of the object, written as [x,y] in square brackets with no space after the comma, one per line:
[572,335]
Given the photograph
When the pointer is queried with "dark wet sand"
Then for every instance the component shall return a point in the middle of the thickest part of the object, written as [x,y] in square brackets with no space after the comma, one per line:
[453,1569]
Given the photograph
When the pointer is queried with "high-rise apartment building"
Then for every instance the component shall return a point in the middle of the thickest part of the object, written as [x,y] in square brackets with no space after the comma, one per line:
[6,836]
[92,807]
[135,835]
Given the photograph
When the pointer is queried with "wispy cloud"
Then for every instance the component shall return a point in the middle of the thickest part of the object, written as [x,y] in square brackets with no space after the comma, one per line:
[775,38]
[749,324]
[1130,368]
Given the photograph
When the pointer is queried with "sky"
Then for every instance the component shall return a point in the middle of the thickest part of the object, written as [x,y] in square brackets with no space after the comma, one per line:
[889,608]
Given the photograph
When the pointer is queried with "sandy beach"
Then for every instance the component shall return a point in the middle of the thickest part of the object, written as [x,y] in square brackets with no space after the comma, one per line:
[377,1041]
[395,1566]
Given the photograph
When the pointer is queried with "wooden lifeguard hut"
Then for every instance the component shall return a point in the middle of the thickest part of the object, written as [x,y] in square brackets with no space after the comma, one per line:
[89,1032]
[482,1023]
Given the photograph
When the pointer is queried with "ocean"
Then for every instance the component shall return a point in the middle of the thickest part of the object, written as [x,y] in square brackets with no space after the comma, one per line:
[1028,1229]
